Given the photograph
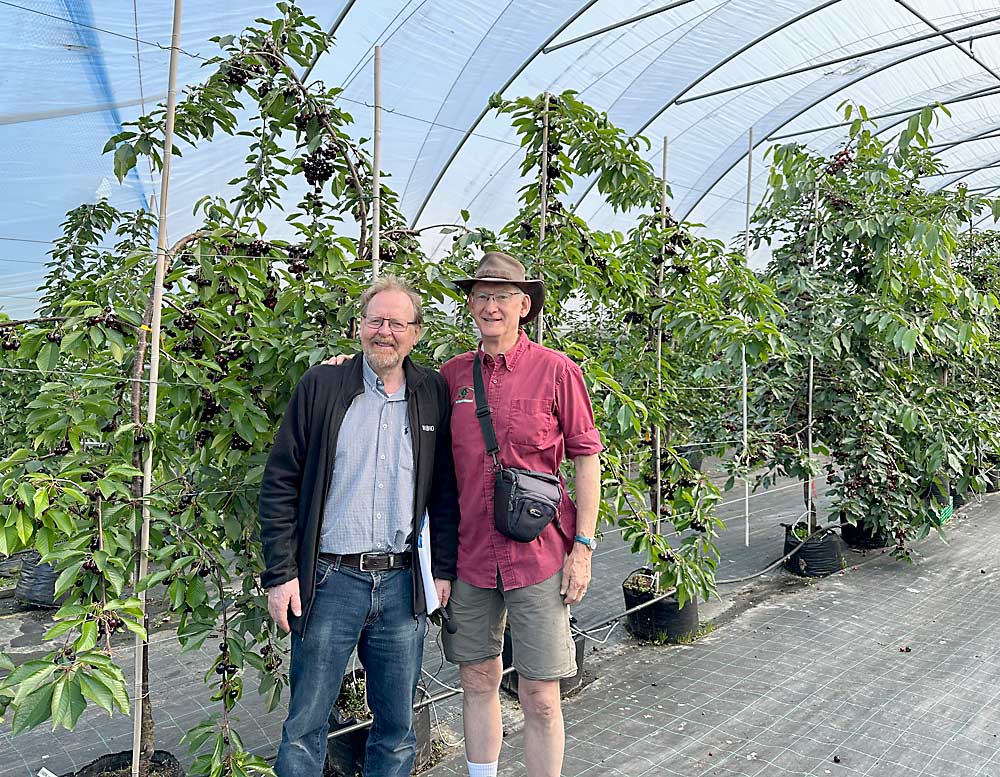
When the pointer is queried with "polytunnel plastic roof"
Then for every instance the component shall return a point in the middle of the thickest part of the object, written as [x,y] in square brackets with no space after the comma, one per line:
[74,70]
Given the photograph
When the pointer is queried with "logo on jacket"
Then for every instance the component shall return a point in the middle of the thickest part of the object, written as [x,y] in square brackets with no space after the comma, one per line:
[464,394]
[427,427]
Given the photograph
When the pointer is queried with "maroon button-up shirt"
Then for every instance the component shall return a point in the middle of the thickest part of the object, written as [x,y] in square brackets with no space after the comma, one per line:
[541,413]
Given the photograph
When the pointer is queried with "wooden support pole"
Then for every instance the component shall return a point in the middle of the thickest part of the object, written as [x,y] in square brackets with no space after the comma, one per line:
[141,685]
[540,326]
[377,169]
[658,433]
[746,385]
[810,507]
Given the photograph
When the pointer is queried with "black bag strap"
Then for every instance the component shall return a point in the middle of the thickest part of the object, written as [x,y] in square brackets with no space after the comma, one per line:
[483,414]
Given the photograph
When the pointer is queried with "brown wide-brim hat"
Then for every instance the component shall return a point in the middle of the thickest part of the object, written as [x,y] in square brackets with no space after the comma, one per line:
[500,268]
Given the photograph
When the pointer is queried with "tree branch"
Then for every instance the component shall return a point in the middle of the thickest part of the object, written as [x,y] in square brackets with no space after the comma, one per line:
[26,321]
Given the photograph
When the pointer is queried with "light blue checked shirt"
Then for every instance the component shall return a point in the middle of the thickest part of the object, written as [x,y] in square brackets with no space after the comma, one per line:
[370,503]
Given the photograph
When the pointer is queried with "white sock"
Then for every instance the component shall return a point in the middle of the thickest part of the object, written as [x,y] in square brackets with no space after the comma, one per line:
[482,770]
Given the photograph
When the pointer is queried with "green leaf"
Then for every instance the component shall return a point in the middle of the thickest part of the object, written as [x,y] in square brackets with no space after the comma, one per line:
[59,629]
[41,501]
[48,357]
[17,457]
[176,591]
[125,160]
[34,710]
[115,577]
[37,674]
[196,593]
[116,345]
[67,703]
[135,628]
[67,578]
[64,522]
[88,637]
[119,691]
[94,688]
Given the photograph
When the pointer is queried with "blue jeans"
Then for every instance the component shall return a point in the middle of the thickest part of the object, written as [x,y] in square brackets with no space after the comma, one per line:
[373,611]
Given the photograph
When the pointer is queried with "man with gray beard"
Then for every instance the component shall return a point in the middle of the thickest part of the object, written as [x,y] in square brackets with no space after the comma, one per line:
[362,451]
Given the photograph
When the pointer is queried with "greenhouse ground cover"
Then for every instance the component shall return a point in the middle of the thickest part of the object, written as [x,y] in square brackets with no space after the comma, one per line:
[794,615]
[887,670]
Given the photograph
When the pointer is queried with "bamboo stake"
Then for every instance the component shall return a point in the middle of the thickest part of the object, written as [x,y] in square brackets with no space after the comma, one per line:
[746,414]
[540,327]
[980,463]
[377,169]
[746,453]
[141,686]
[658,433]
[811,517]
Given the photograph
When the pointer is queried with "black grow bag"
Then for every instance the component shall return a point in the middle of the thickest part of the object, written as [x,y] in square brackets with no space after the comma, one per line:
[566,685]
[114,762]
[819,556]
[36,582]
[662,621]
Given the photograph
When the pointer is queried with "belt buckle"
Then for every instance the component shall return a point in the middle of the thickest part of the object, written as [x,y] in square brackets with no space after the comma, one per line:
[362,566]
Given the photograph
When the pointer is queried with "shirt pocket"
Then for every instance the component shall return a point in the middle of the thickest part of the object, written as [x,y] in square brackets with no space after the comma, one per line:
[406,451]
[531,422]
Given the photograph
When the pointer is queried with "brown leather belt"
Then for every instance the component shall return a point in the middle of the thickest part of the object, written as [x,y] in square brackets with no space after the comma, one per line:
[370,562]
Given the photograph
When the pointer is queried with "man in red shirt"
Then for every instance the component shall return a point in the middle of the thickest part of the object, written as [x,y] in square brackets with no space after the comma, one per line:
[541,414]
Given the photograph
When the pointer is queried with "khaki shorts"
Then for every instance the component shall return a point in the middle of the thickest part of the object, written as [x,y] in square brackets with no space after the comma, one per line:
[539,628]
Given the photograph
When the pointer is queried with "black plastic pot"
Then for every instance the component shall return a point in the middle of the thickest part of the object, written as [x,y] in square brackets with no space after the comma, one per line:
[422,728]
[345,754]
[115,762]
[566,685]
[864,536]
[819,556]
[993,481]
[662,621]
[36,583]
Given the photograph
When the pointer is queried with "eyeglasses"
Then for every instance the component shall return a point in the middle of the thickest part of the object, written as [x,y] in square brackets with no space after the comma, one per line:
[375,322]
[501,297]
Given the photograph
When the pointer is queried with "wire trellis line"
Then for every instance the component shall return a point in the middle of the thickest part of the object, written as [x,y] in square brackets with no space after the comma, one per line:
[116,378]
[685,514]
[621,529]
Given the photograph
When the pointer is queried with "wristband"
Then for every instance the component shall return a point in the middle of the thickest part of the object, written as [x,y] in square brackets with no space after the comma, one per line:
[589,542]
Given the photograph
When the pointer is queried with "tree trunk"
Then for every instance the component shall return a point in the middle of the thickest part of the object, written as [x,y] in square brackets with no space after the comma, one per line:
[811,511]
[148,740]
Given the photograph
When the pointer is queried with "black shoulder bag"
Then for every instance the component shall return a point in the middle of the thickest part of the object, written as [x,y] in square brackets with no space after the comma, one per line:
[524,501]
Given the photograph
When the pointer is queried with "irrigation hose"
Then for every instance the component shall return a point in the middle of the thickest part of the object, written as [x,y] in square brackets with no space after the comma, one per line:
[780,561]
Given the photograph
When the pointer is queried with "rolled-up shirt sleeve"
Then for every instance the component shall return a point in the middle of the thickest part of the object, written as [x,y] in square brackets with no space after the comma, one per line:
[576,414]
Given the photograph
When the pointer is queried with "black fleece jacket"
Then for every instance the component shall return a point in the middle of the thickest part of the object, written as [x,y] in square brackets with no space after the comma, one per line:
[299,469]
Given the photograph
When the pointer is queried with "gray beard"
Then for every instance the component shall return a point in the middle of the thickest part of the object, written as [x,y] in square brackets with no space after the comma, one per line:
[379,361]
